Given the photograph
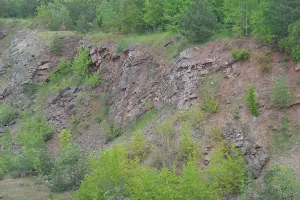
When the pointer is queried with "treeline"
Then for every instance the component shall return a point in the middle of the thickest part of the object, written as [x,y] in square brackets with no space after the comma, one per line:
[274,22]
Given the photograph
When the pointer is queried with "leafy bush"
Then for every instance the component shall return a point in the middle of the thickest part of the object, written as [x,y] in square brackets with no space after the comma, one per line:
[285,126]
[114,176]
[35,130]
[267,58]
[281,95]
[291,43]
[121,46]
[167,140]
[81,65]
[107,177]
[199,22]
[56,45]
[187,147]
[240,54]
[195,116]
[92,80]
[209,103]
[112,131]
[279,183]
[138,146]
[64,139]
[65,67]
[266,68]
[227,171]
[69,169]
[6,114]
[252,101]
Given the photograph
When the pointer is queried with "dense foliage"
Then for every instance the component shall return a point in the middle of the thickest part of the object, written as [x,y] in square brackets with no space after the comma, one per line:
[115,176]
[281,95]
[6,114]
[272,21]
[252,101]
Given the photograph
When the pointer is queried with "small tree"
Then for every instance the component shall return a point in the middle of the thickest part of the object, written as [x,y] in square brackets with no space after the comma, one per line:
[281,95]
[6,114]
[64,139]
[281,183]
[56,45]
[199,23]
[139,145]
[252,101]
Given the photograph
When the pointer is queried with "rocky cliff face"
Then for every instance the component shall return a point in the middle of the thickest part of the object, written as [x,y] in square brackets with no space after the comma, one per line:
[28,61]
[132,79]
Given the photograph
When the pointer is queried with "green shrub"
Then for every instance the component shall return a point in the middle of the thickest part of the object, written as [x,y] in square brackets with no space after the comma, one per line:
[194,116]
[209,103]
[281,95]
[187,147]
[252,101]
[81,65]
[64,139]
[280,182]
[240,54]
[199,22]
[6,114]
[138,146]
[35,130]
[167,140]
[112,131]
[65,67]
[69,169]
[92,80]
[56,45]
[109,171]
[266,68]
[45,164]
[266,59]
[285,126]
[121,46]
[227,171]
[114,176]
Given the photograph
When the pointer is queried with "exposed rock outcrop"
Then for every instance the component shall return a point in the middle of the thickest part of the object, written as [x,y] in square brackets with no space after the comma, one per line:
[3,34]
[61,106]
[134,78]
[254,154]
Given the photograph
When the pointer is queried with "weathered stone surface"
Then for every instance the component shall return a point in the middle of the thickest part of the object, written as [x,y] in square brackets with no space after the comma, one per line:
[3,34]
[255,156]
[61,107]
[134,78]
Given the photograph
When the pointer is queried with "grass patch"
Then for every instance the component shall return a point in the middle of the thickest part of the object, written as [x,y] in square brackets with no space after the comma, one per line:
[29,188]
[208,91]
[12,26]
[287,139]
[153,42]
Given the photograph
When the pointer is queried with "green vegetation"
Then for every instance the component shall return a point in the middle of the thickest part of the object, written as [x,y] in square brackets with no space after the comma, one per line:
[199,23]
[56,45]
[210,103]
[73,73]
[274,22]
[113,176]
[138,146]
[281,95]
[252,101]
[7,114]
[264,61]
[240,54]
[279,183]
[34,133]
[112,130]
